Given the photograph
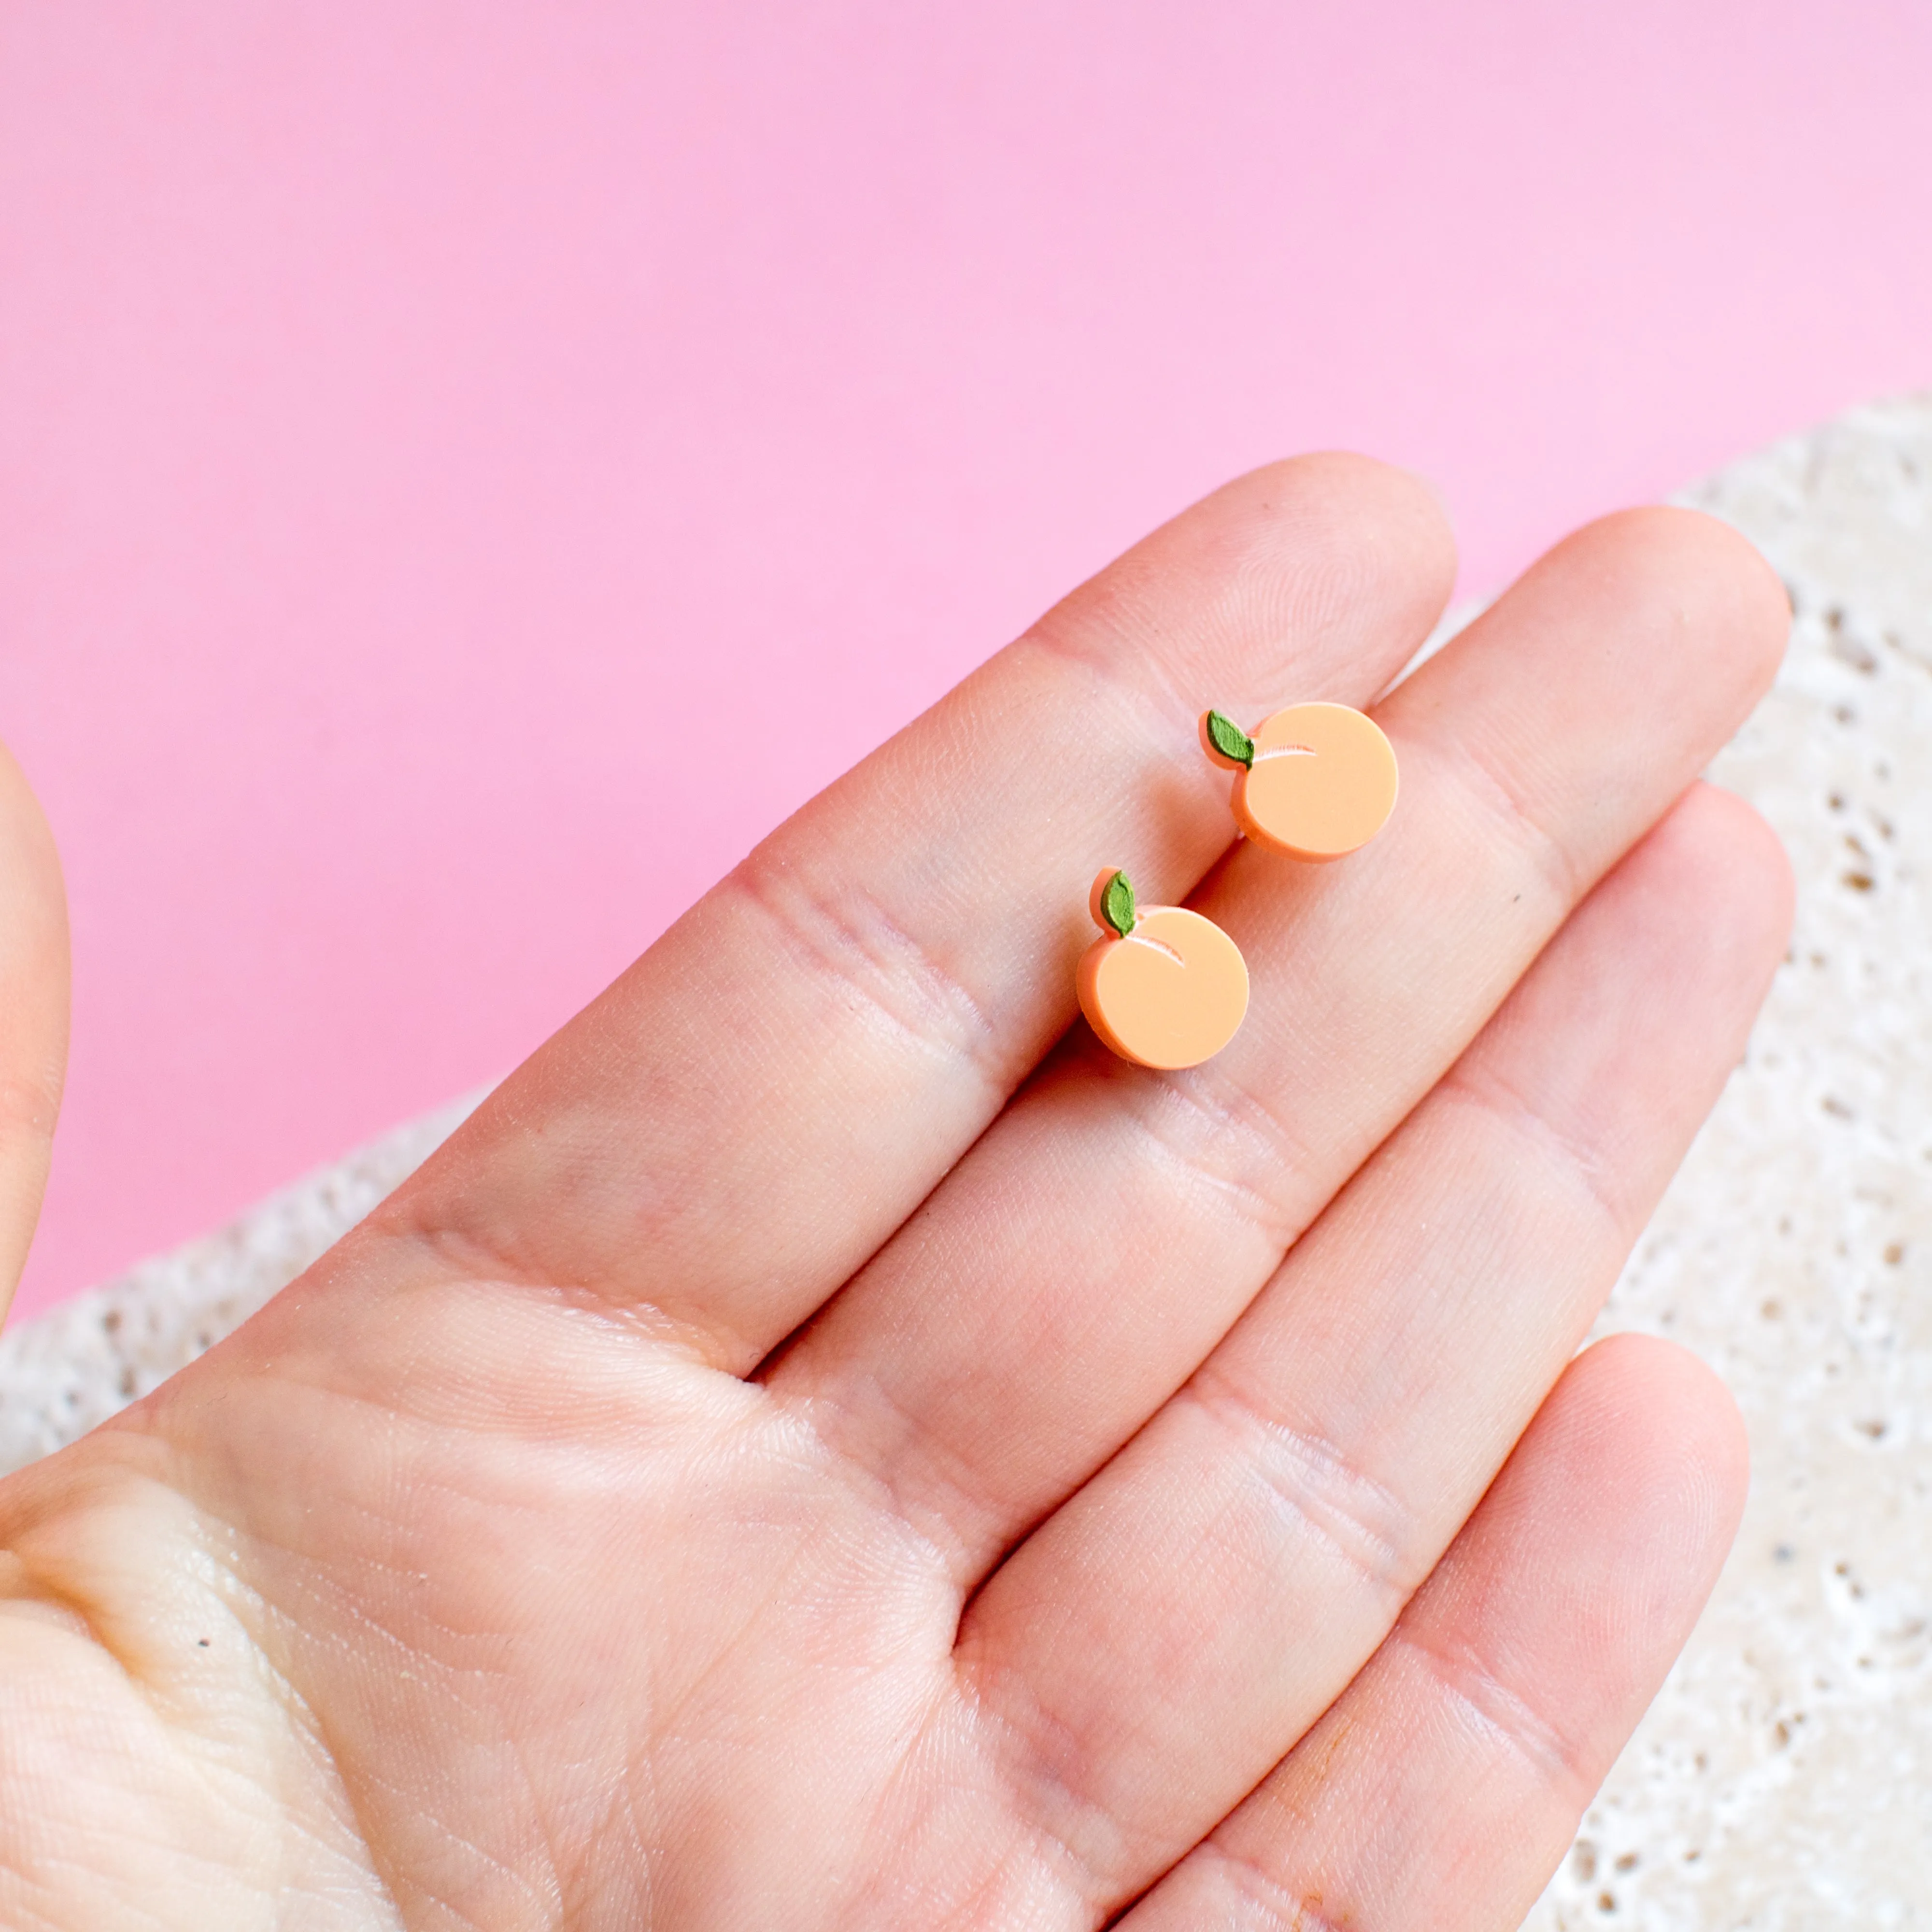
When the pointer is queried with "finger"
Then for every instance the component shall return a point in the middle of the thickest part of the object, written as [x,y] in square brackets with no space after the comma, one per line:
[1104,1234]
[743,1118]
[1442,1788]
[1173,1630]
[33,1015]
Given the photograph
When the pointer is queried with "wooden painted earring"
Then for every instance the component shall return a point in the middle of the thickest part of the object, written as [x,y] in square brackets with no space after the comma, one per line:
[1316,781]
[1163,986]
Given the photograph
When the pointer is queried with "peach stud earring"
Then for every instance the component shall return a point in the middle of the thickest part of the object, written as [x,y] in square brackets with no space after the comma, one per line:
[1163,986]
[1316,781]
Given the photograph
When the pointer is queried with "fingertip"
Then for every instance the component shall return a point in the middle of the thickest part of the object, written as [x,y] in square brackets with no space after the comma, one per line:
[1367,482]
[1644,1421]
[1745,883]
[1317,576]
[33,1012]
[1358,532]
[34,943]
[1760,604]
[1700,575]
[1387,510]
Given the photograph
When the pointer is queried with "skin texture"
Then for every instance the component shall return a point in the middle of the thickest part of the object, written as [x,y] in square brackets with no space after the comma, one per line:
[820,1449]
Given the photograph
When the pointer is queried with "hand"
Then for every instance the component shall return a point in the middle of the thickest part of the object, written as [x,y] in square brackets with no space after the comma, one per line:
[819,1449]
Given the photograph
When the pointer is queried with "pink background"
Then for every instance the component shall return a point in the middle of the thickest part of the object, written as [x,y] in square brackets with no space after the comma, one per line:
[467,469]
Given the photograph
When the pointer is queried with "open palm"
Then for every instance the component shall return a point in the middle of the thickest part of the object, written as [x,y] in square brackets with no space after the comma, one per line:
[819,1449]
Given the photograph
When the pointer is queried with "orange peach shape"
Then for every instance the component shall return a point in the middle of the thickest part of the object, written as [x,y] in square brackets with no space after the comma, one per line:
[1171,994]
[1323,782]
